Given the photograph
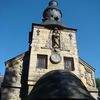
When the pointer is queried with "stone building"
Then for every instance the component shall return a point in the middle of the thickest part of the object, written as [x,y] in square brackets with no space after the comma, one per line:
[52,46]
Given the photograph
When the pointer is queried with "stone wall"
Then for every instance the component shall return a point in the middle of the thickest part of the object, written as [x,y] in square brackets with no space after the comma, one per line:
[12,85]
[41,43]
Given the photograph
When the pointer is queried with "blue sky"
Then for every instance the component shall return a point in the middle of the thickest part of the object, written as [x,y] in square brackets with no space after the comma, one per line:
[17,16]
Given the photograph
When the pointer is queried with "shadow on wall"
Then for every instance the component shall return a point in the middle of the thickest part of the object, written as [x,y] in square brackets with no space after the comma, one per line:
[60,84]
[24,78]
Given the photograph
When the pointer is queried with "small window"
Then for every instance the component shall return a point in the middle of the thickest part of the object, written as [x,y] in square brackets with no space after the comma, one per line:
[42,61]
[68,64]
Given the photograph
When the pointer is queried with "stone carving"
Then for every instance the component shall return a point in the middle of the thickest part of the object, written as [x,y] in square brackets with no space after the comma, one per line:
[55,41]
[38,32]
[89,78]
[55,38]
[70,36]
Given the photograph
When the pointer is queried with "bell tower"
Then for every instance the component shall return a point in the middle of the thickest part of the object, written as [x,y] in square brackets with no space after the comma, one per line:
[53,46]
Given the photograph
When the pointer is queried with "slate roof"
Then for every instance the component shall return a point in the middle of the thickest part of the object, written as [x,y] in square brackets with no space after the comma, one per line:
[60,84]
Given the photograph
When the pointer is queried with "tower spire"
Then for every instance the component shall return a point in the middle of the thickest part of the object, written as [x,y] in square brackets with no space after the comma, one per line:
[52,12]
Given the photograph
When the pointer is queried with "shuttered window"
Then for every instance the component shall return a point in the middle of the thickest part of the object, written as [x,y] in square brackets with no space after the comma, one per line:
[42,61]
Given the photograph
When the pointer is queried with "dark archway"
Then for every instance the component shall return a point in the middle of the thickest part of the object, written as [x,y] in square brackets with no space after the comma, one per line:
[60,84]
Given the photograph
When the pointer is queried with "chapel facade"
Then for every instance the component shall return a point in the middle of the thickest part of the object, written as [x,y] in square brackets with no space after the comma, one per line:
[52,46]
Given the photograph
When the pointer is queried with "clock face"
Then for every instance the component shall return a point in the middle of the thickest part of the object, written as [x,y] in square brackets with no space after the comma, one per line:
[55,58]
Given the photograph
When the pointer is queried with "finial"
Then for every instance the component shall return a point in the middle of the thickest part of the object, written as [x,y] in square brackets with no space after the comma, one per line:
[53,3]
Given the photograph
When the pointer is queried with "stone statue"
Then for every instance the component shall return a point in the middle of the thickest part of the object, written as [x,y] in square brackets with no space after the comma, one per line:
[56,39]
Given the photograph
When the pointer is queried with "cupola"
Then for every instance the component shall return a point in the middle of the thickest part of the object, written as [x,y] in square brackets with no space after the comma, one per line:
[52,12]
